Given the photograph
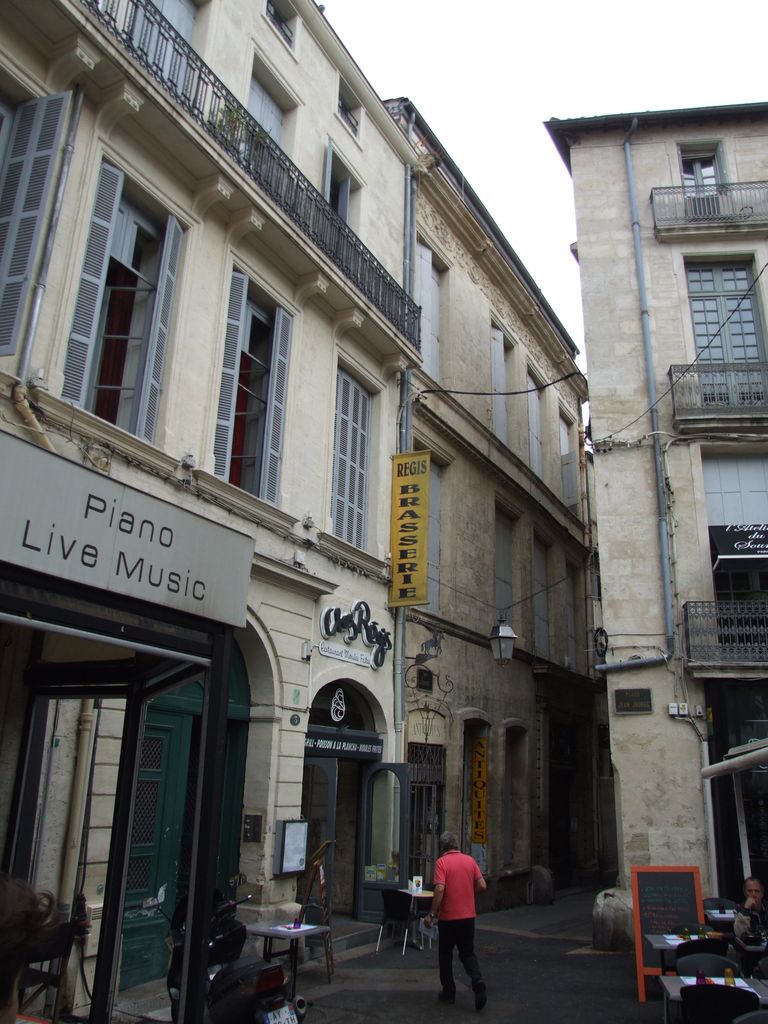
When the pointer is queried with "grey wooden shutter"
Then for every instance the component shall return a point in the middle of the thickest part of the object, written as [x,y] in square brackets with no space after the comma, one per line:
[327,171]
[498,383]
[350,475]
[24,190]
[90,296]
[159,331]
[233,340]
[278,390]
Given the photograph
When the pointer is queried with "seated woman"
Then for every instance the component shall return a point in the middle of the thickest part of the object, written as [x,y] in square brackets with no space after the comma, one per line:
[751,920]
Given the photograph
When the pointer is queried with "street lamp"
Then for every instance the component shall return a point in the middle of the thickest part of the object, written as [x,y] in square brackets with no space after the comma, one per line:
[502,641]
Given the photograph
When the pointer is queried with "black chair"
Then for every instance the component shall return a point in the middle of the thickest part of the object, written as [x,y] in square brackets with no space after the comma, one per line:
[717,946]
[55,953]
[397,910]
[716,1004]
[712,965]
[715,902]
[755,1017]
[760,969]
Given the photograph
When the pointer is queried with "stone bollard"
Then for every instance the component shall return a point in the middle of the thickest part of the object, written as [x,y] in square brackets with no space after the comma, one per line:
[612,920]
[542,888]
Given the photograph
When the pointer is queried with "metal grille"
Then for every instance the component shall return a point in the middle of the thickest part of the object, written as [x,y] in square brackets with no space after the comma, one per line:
[726,632]
[138,874]
[427,763]
[739,202]
[151,753]
[153,42]
[144,811]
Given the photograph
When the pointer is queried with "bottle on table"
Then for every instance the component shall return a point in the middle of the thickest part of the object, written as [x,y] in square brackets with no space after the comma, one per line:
[728,976]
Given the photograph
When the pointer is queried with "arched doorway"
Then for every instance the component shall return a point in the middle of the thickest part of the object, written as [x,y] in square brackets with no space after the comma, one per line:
[162,833]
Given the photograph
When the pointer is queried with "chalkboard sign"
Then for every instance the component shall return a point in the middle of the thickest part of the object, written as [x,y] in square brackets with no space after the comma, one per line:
[662,898]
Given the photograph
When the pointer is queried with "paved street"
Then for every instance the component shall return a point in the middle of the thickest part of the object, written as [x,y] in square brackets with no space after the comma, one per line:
[538,962]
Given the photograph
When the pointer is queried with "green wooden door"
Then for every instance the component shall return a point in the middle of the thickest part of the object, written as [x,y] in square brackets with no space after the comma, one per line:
[153,864]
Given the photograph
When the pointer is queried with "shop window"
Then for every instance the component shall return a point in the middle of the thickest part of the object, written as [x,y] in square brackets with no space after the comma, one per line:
[30,137]
[116,353]
[254,381]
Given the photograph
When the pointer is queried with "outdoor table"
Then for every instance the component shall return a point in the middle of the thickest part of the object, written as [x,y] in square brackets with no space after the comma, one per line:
[671,985]
[664,944]
[424,894]
[272,932]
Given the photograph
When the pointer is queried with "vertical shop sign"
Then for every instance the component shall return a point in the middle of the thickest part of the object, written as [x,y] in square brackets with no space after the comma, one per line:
[480,789]
[410,528]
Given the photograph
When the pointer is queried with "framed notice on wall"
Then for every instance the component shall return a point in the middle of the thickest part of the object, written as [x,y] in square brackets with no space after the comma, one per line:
[290,847]
[662,898]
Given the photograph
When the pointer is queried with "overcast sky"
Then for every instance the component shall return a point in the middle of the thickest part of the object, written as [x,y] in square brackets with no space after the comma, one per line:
[485,76]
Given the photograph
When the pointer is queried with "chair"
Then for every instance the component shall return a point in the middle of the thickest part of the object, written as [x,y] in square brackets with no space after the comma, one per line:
[57,948]
[712,965]
[397,910]
[717,946]
[716,1004]
[760,969]
[715,902]
[755,1017]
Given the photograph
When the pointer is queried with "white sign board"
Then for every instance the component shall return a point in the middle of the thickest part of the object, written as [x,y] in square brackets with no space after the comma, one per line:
[64,520]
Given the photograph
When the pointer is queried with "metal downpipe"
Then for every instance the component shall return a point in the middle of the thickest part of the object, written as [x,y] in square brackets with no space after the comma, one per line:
[661,503]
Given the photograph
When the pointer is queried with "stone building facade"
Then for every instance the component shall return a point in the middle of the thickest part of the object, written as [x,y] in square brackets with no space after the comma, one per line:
[671,219]
[209,343]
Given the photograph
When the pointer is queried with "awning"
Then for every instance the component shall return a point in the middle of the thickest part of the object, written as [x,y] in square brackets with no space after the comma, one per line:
[739,759]
[740,546]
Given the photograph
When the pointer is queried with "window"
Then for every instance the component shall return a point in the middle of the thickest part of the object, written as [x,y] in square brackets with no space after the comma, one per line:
[29,143]
[540,599]
[700,178]
[428,278]
[339,185]
[569,465]
[503,561]
[717,292]
[535,443]
[433,541]
[500,348]
[254,381]
[349,108]
[736,491]
[181,14]
[116,352]
[351,449]
[282,16]
[265,109]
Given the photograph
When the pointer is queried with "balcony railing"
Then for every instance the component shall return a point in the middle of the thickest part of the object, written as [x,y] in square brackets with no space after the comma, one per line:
[152,41]
[726,632]
[719,390]
[743,204]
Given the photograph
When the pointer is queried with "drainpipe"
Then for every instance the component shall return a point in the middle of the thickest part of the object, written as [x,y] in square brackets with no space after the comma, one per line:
[74,837]
[404,444]
[661,502]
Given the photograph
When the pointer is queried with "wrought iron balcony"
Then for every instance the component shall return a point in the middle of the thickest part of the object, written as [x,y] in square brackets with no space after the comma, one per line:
[742,206]
[715,396]
[726,632]
[153,42]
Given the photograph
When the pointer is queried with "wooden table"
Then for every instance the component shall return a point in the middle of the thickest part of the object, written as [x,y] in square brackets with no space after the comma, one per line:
[671,985]
[275,932]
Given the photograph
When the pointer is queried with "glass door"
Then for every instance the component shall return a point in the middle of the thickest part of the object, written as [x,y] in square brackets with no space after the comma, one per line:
[382,836]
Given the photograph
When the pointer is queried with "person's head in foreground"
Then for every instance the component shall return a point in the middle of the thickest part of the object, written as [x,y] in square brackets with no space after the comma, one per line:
[26,919]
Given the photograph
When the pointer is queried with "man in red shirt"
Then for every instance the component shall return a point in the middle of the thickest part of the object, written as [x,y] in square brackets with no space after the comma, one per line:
[457,879]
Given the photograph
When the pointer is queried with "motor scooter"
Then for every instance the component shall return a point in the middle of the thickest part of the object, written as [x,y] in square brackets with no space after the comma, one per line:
[240,990]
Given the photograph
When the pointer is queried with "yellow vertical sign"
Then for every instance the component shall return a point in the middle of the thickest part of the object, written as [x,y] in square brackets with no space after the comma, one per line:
[410,528]
[480,790]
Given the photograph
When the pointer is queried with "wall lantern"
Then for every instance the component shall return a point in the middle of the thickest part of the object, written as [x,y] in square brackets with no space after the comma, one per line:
[502,641]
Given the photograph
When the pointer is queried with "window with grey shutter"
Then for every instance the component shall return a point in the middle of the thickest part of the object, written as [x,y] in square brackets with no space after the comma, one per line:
[159,330]
[25,186]
[499,385]
[225,417]
[428,297]
[90,296]
[250,424]
[503,561]
[349,508]
[540,599]
[266,110]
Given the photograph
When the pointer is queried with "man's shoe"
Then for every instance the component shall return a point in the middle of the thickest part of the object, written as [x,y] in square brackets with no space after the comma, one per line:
[480,996]
[446,997]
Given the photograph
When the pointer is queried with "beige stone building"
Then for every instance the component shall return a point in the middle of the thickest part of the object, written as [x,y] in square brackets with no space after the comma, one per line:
[672,211]
[215,241]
